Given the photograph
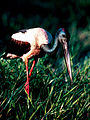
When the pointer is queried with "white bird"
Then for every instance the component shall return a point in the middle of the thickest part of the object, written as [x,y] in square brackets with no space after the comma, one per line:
[29,43]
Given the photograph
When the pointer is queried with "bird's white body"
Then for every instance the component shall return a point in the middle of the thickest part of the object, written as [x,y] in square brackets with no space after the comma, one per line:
[33,36]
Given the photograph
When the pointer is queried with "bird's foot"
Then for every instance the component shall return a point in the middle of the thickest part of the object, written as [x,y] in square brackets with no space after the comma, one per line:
[27,88]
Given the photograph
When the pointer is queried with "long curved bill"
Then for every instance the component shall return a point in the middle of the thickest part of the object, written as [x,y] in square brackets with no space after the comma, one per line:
[67,59]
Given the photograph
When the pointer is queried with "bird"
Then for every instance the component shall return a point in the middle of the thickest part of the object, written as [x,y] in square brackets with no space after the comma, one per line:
[33,43]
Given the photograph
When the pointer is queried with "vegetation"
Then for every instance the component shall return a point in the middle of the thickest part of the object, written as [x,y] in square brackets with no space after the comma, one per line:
[52,97]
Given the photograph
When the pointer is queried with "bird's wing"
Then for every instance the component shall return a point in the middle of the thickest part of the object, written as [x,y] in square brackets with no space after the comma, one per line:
[18,47]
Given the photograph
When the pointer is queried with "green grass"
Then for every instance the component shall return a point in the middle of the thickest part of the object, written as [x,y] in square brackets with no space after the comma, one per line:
[52,97]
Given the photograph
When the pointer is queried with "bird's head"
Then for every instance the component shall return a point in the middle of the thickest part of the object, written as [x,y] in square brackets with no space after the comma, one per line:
[63,37]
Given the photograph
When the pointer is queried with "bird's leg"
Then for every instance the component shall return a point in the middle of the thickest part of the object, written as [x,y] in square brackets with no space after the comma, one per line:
[27,82]
[28,74]
[33,64]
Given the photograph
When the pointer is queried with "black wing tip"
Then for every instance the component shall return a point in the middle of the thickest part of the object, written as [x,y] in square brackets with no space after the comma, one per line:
[23,31]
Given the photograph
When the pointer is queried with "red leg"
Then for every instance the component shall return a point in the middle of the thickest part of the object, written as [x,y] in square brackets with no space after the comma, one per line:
[27,82]
[33,64]
[28,75]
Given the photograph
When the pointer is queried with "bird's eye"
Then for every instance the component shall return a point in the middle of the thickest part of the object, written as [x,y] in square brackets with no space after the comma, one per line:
[63,35]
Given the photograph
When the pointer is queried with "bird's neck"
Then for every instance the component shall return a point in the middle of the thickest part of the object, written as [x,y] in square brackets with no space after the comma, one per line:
[49,50]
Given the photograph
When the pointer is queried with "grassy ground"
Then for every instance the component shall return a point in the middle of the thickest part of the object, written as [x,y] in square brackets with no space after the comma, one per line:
[52,97]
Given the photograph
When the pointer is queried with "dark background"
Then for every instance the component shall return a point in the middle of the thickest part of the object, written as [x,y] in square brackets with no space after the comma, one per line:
[49,14]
